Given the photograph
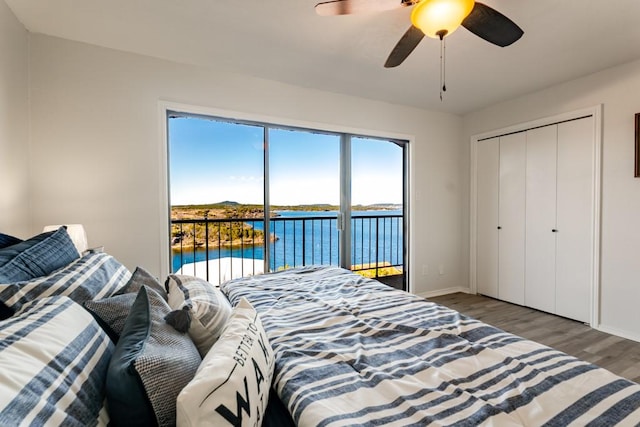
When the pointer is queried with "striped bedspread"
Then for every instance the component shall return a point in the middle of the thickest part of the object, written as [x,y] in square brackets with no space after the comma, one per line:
[351,351]
[53,365]
[53,354]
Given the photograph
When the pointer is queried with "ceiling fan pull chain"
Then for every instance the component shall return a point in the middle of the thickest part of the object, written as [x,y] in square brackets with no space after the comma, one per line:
[444,65]
[443,57]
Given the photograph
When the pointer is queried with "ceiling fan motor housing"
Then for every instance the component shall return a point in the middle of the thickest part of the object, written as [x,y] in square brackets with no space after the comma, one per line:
[439,18]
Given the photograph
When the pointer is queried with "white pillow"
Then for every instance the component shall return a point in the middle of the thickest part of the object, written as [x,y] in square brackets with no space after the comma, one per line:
[199,309]
[237,370]
[76,232]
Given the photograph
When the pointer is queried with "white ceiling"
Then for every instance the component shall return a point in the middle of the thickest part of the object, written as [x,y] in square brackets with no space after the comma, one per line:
[285,40]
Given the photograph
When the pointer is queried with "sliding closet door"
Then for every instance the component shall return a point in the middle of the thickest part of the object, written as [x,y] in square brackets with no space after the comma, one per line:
[540,275]
[511,239]
[546,194]
[575,210]
[487,186]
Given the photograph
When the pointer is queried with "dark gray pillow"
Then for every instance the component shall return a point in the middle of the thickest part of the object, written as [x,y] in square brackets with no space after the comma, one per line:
[111,313]
[151,364]
[28,260]
[142,277]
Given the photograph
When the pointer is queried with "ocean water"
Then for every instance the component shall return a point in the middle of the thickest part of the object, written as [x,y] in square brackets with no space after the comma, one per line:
[315,240]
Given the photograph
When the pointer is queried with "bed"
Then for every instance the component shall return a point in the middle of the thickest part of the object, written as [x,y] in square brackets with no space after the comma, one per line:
[352,351]
[84,341]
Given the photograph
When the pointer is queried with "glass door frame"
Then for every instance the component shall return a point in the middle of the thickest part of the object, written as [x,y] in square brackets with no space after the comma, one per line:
[344,221]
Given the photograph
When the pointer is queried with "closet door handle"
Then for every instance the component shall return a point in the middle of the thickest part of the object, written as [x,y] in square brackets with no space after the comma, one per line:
[554,230]
[499,228]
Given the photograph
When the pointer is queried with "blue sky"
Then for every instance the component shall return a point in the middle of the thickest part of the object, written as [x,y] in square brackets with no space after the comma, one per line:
[214,161]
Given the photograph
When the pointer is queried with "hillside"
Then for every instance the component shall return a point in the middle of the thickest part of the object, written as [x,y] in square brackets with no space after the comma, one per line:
[228,209]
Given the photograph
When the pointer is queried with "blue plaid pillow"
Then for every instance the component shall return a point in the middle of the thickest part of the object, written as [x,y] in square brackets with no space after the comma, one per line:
[9,252]
[37,257]
[6,240]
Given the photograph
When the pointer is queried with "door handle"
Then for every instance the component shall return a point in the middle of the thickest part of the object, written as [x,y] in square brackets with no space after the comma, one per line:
[499,228]
[554,230]
[340,222]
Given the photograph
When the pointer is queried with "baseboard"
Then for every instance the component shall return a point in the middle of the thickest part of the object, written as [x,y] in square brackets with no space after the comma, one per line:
[446,291]
[618,332]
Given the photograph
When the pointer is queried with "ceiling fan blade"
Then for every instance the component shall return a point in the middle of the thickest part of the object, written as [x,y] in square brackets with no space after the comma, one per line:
[348,7]
[404,47]
[491,25]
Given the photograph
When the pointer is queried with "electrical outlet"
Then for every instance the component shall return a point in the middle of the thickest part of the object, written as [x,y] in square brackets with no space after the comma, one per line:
[441,269]
[425,269]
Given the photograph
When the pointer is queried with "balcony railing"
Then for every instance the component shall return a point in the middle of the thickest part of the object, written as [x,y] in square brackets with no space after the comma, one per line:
[221,249]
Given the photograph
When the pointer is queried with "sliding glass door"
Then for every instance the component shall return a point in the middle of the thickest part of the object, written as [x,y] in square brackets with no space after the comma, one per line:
[247,198]
[378,223]
[217,196]
[304,197]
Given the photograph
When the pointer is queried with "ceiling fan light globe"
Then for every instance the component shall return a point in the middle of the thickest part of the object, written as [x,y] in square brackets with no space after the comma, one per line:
[435,16]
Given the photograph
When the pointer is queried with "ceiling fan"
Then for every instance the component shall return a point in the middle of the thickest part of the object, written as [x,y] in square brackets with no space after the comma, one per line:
[433,18]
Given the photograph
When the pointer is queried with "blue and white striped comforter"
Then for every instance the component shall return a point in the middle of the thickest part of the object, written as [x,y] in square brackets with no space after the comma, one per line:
[350,351]
[53,363]
[53,354]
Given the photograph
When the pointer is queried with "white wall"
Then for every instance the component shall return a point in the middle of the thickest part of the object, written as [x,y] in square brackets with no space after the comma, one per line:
[618,89]
[96,133]
[14,113]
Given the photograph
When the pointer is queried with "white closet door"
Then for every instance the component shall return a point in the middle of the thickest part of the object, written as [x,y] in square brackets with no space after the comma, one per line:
[540,247]
[511,239]
[575,210]
[487,186]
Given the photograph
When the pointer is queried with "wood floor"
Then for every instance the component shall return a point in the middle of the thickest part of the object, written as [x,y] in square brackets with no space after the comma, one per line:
[618,355]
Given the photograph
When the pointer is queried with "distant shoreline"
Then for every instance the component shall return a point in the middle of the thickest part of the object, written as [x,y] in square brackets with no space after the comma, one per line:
[309,208]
